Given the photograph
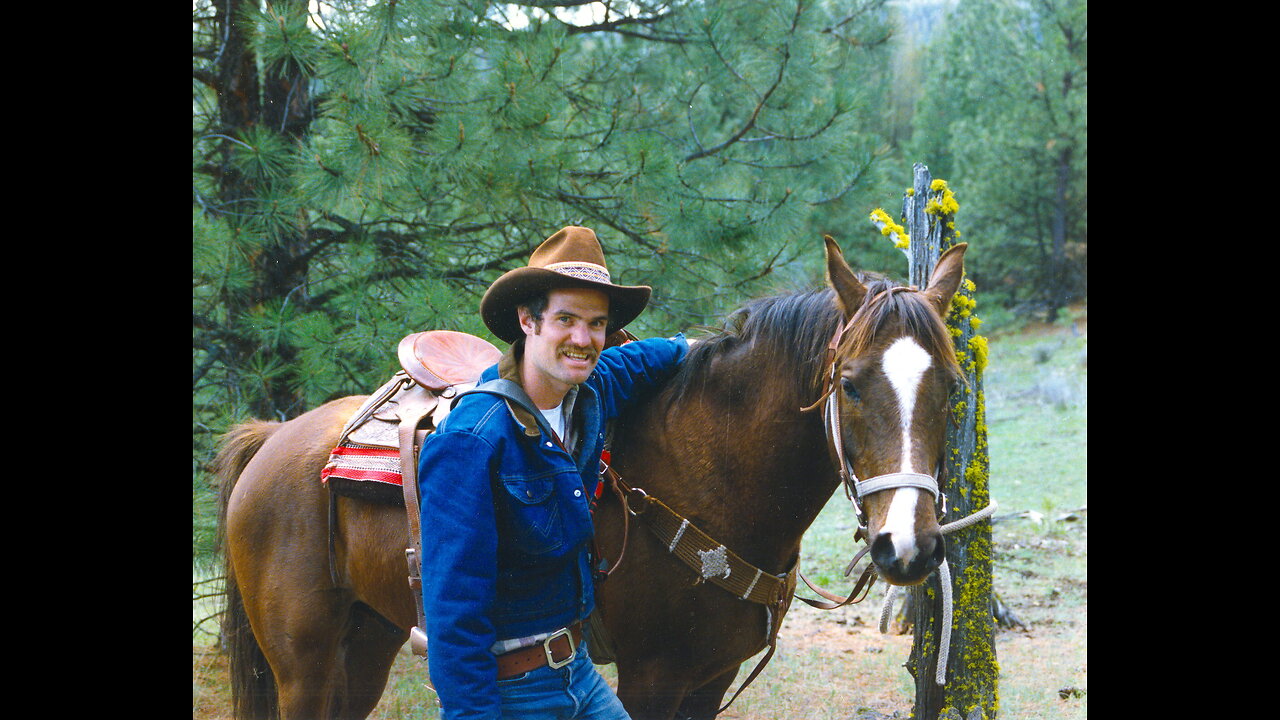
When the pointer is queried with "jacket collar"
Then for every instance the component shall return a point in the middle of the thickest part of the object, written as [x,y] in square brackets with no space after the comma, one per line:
[509,369]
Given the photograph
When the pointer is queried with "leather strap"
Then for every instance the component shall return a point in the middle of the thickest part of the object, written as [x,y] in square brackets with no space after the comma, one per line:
[775,611]
[557,650]
[707,557]
[715,562]
[412,410]
[615,482]
[860,590]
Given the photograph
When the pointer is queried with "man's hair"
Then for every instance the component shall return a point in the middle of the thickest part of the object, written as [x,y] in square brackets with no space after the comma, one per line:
[535,305]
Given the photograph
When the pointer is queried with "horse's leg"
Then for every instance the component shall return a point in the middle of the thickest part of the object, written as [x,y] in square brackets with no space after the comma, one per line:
[649,691]
[704,703]
[278,544]
[371,646]
[338,650]
[302,641]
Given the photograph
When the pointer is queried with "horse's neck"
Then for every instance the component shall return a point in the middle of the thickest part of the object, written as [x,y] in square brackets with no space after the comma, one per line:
[750,469]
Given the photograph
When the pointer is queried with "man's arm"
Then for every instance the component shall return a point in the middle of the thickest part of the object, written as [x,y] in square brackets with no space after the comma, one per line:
[627,373]
[459,572]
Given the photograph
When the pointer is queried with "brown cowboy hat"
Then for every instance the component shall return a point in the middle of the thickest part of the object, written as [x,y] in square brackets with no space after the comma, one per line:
[570,258]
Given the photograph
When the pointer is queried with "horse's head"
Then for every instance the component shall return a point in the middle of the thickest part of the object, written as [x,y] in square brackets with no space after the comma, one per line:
[894,368]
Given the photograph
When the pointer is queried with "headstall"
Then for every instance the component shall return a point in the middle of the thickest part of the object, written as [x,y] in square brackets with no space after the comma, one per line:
[856,489]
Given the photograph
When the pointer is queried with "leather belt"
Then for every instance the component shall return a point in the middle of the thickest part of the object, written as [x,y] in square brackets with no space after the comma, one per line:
[558,650]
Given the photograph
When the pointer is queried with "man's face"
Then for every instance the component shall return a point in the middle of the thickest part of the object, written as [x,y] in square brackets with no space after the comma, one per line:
[561,350]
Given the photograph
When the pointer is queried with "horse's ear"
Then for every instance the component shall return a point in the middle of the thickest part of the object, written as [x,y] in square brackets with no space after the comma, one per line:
[946,278]
[848,290]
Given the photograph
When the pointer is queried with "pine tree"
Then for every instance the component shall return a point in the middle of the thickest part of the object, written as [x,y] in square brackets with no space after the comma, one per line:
[364,170]
[1004,114]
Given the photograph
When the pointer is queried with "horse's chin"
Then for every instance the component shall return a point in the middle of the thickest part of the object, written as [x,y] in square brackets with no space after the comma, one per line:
[899,581]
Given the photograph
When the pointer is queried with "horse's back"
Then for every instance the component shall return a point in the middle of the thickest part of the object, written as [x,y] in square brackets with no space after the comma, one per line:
[301,445]
[286,469]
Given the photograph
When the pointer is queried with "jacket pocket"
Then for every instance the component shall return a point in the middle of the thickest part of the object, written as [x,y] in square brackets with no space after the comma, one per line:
[537,523]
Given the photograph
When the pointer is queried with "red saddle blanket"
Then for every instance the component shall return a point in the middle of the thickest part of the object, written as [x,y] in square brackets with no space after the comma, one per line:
[364,463]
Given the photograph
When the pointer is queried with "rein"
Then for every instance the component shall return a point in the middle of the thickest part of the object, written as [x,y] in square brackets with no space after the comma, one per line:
[713,562]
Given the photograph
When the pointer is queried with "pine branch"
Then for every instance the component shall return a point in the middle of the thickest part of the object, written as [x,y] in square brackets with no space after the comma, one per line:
[764,98]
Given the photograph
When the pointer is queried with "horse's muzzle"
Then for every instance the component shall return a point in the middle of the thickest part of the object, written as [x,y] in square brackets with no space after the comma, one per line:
[909,563]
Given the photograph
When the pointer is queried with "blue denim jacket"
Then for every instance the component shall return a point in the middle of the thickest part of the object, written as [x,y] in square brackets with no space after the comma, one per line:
[506,527]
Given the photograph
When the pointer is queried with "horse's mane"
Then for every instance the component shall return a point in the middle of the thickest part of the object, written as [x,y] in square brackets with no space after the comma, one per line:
[795,329]
[792,329]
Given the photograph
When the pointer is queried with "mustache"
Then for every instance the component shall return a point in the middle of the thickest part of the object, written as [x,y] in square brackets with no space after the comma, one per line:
[589,352]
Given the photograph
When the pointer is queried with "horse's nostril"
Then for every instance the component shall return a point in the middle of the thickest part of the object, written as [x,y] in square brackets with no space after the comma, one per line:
[883,552]
[939,550]
[910,564]
[932,551]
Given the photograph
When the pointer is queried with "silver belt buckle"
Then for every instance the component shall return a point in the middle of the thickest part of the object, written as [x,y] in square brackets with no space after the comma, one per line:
[546,648]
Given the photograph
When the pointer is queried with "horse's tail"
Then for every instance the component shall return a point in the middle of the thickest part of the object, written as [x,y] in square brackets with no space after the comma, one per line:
[253,685]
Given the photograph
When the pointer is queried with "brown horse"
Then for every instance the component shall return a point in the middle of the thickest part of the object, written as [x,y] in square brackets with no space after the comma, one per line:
[726,444]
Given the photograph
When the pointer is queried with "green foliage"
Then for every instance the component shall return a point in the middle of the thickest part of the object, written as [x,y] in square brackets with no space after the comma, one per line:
[364,170]
[1003,117]
[361,171]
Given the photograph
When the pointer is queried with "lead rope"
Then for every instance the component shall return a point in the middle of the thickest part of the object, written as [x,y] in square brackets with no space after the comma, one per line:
[944,645]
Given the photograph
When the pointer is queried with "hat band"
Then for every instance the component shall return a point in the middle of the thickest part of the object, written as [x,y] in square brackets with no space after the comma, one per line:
[582,271]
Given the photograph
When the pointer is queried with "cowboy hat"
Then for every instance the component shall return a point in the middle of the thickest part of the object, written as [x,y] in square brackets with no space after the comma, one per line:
[570,258]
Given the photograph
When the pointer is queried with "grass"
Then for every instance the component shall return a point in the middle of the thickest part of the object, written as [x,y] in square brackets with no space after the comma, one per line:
[836,665]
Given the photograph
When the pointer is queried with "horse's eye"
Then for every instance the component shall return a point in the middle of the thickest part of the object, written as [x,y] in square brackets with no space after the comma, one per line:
[849,389]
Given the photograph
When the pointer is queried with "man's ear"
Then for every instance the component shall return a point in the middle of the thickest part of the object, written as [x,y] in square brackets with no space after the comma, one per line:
[527,323]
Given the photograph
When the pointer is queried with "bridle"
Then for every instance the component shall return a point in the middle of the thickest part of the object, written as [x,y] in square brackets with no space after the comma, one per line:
[858,490]
[855,489]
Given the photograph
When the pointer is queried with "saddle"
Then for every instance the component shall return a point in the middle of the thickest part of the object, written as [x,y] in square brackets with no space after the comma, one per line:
[367,461]
[376,458]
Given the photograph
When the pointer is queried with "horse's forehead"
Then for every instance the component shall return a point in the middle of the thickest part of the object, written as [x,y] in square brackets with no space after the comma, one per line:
[904,362]
[901,358]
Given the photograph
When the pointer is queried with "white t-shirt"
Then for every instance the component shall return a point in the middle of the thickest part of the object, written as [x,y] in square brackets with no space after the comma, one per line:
[555,418]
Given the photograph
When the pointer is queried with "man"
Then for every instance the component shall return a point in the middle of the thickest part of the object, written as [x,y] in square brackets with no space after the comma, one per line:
[507,565]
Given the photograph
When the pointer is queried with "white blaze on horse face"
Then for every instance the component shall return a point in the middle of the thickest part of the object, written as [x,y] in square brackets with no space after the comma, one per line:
[904,364]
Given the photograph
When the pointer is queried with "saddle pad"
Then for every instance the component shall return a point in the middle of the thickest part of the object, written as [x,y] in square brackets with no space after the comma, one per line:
[366,462]
[363,463]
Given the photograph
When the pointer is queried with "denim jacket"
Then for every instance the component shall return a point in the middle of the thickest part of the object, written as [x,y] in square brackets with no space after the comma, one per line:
[506,527]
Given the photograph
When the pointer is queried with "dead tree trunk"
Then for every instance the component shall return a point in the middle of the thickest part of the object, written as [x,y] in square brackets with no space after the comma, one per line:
[972,672]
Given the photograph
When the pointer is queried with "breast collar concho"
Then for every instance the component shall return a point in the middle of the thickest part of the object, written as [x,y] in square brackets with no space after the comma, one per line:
[856,489]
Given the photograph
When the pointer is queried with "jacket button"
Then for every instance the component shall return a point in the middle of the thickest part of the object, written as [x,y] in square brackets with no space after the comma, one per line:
[577,493]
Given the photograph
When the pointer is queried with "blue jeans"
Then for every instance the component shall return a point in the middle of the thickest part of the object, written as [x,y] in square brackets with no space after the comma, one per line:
[573,692]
